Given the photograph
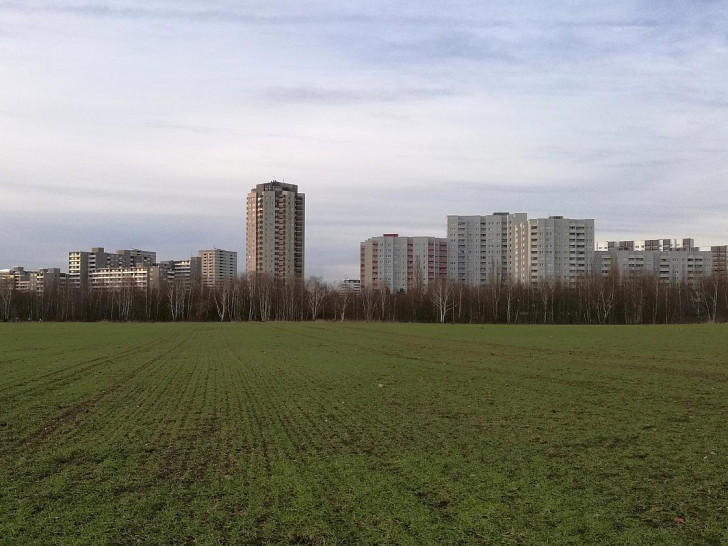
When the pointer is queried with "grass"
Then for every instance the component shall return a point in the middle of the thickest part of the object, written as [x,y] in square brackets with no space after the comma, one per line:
[348,433]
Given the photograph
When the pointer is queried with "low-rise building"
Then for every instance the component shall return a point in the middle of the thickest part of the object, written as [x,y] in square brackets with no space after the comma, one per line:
[351,285]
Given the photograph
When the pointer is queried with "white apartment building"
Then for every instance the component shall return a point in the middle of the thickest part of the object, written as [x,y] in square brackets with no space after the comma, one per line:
[121,277]
[218,265]
[483,249]
[400,263]
[559,249]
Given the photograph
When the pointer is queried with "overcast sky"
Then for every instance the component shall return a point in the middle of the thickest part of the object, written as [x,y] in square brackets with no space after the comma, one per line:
[143,124]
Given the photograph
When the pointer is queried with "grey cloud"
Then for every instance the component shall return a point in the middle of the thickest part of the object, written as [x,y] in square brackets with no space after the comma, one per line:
[128,193]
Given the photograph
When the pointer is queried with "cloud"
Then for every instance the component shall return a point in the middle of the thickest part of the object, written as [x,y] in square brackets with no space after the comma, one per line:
[348,96]
[160,115]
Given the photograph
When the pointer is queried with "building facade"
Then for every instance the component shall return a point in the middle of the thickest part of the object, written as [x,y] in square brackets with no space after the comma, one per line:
[107,278]
[82,263]
[275,237]
[41,281]
[482,249]
[187,272]
[217,266]
[402,263]
[559,249]
[673,261]
[668,266]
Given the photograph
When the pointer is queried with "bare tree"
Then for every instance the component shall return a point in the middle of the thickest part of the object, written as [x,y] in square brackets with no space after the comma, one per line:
[441,295]
[342,299]
[315,294]
[6,293]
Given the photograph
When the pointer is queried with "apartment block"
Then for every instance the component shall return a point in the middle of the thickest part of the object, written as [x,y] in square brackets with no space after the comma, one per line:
[41,281]
[218,265]
[669,260]
[187,272]
[15,277]
[275,230]
[483,249]
[82,263]
[140,277]
[351,285]
[654,245]
[719,260]
[667,266]
[559,249]
[401,263]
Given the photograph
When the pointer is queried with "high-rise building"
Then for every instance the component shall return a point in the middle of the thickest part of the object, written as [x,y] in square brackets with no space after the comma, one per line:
[481,249]
[560,249]
[275,230]
[218,265]
[401,263]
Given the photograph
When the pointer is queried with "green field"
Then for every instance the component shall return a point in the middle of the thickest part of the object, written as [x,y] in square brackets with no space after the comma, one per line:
[325,433]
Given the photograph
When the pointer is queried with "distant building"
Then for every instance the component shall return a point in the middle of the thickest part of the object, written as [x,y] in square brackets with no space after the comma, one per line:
[275,230]
[401,263]
[41,281]
[509,246]
[656,245]
[673,261]
[188,272]
[719,261]
[483,249]
[351,285]
[559,249]
[668,266]
[82,263]
[218,265]
[121,277]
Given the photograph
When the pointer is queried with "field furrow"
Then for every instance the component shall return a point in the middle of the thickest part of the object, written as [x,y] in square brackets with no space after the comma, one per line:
[328,433]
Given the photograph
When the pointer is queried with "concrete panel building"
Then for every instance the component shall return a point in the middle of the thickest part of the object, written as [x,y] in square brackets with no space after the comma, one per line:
[559,249]
[401,263]
[669,266]
[275,230]
[350,285]
[41,281]
[115,278]
[188,272]
[218,265]
[483,249]
[668,260]
[655,245]
[82,263]
[719,260]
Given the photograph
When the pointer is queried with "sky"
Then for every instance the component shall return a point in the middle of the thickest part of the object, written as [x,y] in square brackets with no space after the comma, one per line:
[143,124]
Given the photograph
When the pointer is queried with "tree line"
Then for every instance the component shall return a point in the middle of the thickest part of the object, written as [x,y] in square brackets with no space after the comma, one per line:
[591,300]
